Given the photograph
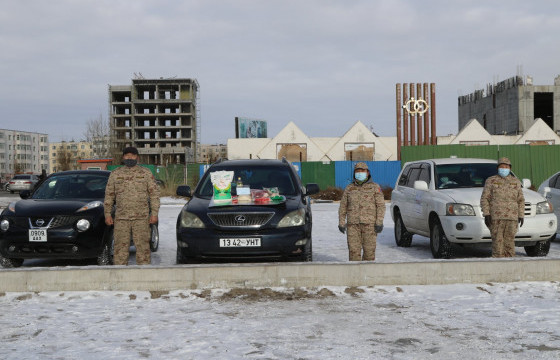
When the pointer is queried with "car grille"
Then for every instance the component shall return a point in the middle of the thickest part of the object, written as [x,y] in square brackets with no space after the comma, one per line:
[243,219]
[51,222]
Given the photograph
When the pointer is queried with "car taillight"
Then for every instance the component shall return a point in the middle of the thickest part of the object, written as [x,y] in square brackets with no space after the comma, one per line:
[27,182]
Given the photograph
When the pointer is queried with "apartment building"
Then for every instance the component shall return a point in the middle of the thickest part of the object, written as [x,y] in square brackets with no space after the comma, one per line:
[210,153]
[65,155]
[23,152]
[158,116]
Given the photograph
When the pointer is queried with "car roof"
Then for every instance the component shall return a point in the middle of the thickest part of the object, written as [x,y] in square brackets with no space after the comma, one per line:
[78,172]
[446,161]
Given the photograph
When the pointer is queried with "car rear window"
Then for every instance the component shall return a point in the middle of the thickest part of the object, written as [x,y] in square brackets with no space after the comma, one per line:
[72,186]
[22,177]
[257,177]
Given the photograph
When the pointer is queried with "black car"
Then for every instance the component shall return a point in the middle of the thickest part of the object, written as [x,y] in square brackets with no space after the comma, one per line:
[272,230]
[62,218]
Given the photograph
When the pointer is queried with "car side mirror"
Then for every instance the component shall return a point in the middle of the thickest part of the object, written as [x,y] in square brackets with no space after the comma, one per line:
[526,183]
[24,194]
[311,189]
[546,191]
[421,185]
[184,190]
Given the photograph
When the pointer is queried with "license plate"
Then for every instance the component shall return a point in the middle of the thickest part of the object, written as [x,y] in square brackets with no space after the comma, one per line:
[38,235]
[245,242]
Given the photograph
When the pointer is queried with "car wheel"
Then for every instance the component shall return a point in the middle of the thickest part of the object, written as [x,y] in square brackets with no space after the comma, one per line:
[107,252]
[539,249]
[10,262]
[307,253]
[154,238]
[440,246]
[402,237]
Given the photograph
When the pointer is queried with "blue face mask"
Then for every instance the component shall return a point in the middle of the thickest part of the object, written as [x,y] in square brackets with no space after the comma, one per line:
[360,176]
[503,172]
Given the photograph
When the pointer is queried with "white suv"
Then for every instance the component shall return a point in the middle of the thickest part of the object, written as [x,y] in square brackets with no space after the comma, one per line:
[440,199]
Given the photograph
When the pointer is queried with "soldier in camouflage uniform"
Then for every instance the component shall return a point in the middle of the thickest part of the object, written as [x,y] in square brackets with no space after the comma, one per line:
[361,213]
[503,206]
[133,190]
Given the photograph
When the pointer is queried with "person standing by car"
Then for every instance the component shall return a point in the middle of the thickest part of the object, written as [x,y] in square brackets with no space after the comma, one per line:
[361,213]
[135,194]
[503,207]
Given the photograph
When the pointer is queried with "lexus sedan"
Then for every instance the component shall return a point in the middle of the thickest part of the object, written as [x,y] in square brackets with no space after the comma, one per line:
[273,222]
[22,182]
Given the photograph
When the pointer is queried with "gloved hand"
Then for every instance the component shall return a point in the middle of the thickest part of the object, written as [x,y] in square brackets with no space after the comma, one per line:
[378,228]
[520,221]
[342,229]
[488,221]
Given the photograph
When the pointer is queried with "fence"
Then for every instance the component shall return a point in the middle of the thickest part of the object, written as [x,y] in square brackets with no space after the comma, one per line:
[534,162]
[327,174]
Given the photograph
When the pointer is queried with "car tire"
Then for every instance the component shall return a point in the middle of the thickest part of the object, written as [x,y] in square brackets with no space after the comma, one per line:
[440,246]
[402,237]
[154,238]
[10,262]
[539,249]
[307,253]
[107,251]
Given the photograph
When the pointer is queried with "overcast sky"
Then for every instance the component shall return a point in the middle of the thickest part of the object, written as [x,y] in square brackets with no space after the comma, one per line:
[322,64]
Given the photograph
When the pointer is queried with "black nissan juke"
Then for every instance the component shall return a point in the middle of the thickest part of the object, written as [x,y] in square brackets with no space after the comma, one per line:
[62,218]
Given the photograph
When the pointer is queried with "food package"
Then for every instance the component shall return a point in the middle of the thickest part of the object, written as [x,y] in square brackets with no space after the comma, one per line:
[260,196]
[221,181]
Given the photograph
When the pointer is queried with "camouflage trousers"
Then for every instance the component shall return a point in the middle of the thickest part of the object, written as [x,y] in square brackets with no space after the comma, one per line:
[140,231]
[361,237]
[503,238]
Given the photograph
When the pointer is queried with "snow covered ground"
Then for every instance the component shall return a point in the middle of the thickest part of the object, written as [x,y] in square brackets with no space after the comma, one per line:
[464,321]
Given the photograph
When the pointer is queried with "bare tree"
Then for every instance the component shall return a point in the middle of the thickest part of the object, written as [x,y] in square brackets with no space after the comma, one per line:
[63,159]
[98,133]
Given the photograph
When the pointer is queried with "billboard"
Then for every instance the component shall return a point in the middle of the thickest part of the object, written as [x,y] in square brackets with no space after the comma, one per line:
[246,128]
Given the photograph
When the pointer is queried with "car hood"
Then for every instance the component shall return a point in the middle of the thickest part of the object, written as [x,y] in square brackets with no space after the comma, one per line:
[472,195]
[35,207]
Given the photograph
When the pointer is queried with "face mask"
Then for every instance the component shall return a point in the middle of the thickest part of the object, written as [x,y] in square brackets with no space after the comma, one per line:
[503,172]
[360,176]
[129,162]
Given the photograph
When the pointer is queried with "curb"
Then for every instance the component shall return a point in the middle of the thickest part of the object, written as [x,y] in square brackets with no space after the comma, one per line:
[139,278]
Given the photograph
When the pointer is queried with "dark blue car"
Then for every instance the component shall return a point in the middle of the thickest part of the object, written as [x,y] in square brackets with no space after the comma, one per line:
[276,229]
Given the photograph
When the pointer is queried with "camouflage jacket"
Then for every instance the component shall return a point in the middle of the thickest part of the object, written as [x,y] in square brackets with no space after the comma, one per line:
[134,192]
[362,204]
[502,198]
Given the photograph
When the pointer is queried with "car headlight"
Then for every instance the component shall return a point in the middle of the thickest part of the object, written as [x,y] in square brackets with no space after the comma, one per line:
[82,225]
[4,225]
[454,209]
[190,220]
[294,218]
[91,205]
[544,207]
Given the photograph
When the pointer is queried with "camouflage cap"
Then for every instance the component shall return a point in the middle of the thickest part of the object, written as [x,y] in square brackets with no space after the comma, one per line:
[504,160]
[361,165]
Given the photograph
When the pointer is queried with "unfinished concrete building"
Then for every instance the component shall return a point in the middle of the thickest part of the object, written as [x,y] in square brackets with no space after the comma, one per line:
[158,116]
[511,106]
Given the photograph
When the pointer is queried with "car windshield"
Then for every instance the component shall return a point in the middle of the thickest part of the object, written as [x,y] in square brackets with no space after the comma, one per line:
[72,186]
[450,176]
[258,177]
